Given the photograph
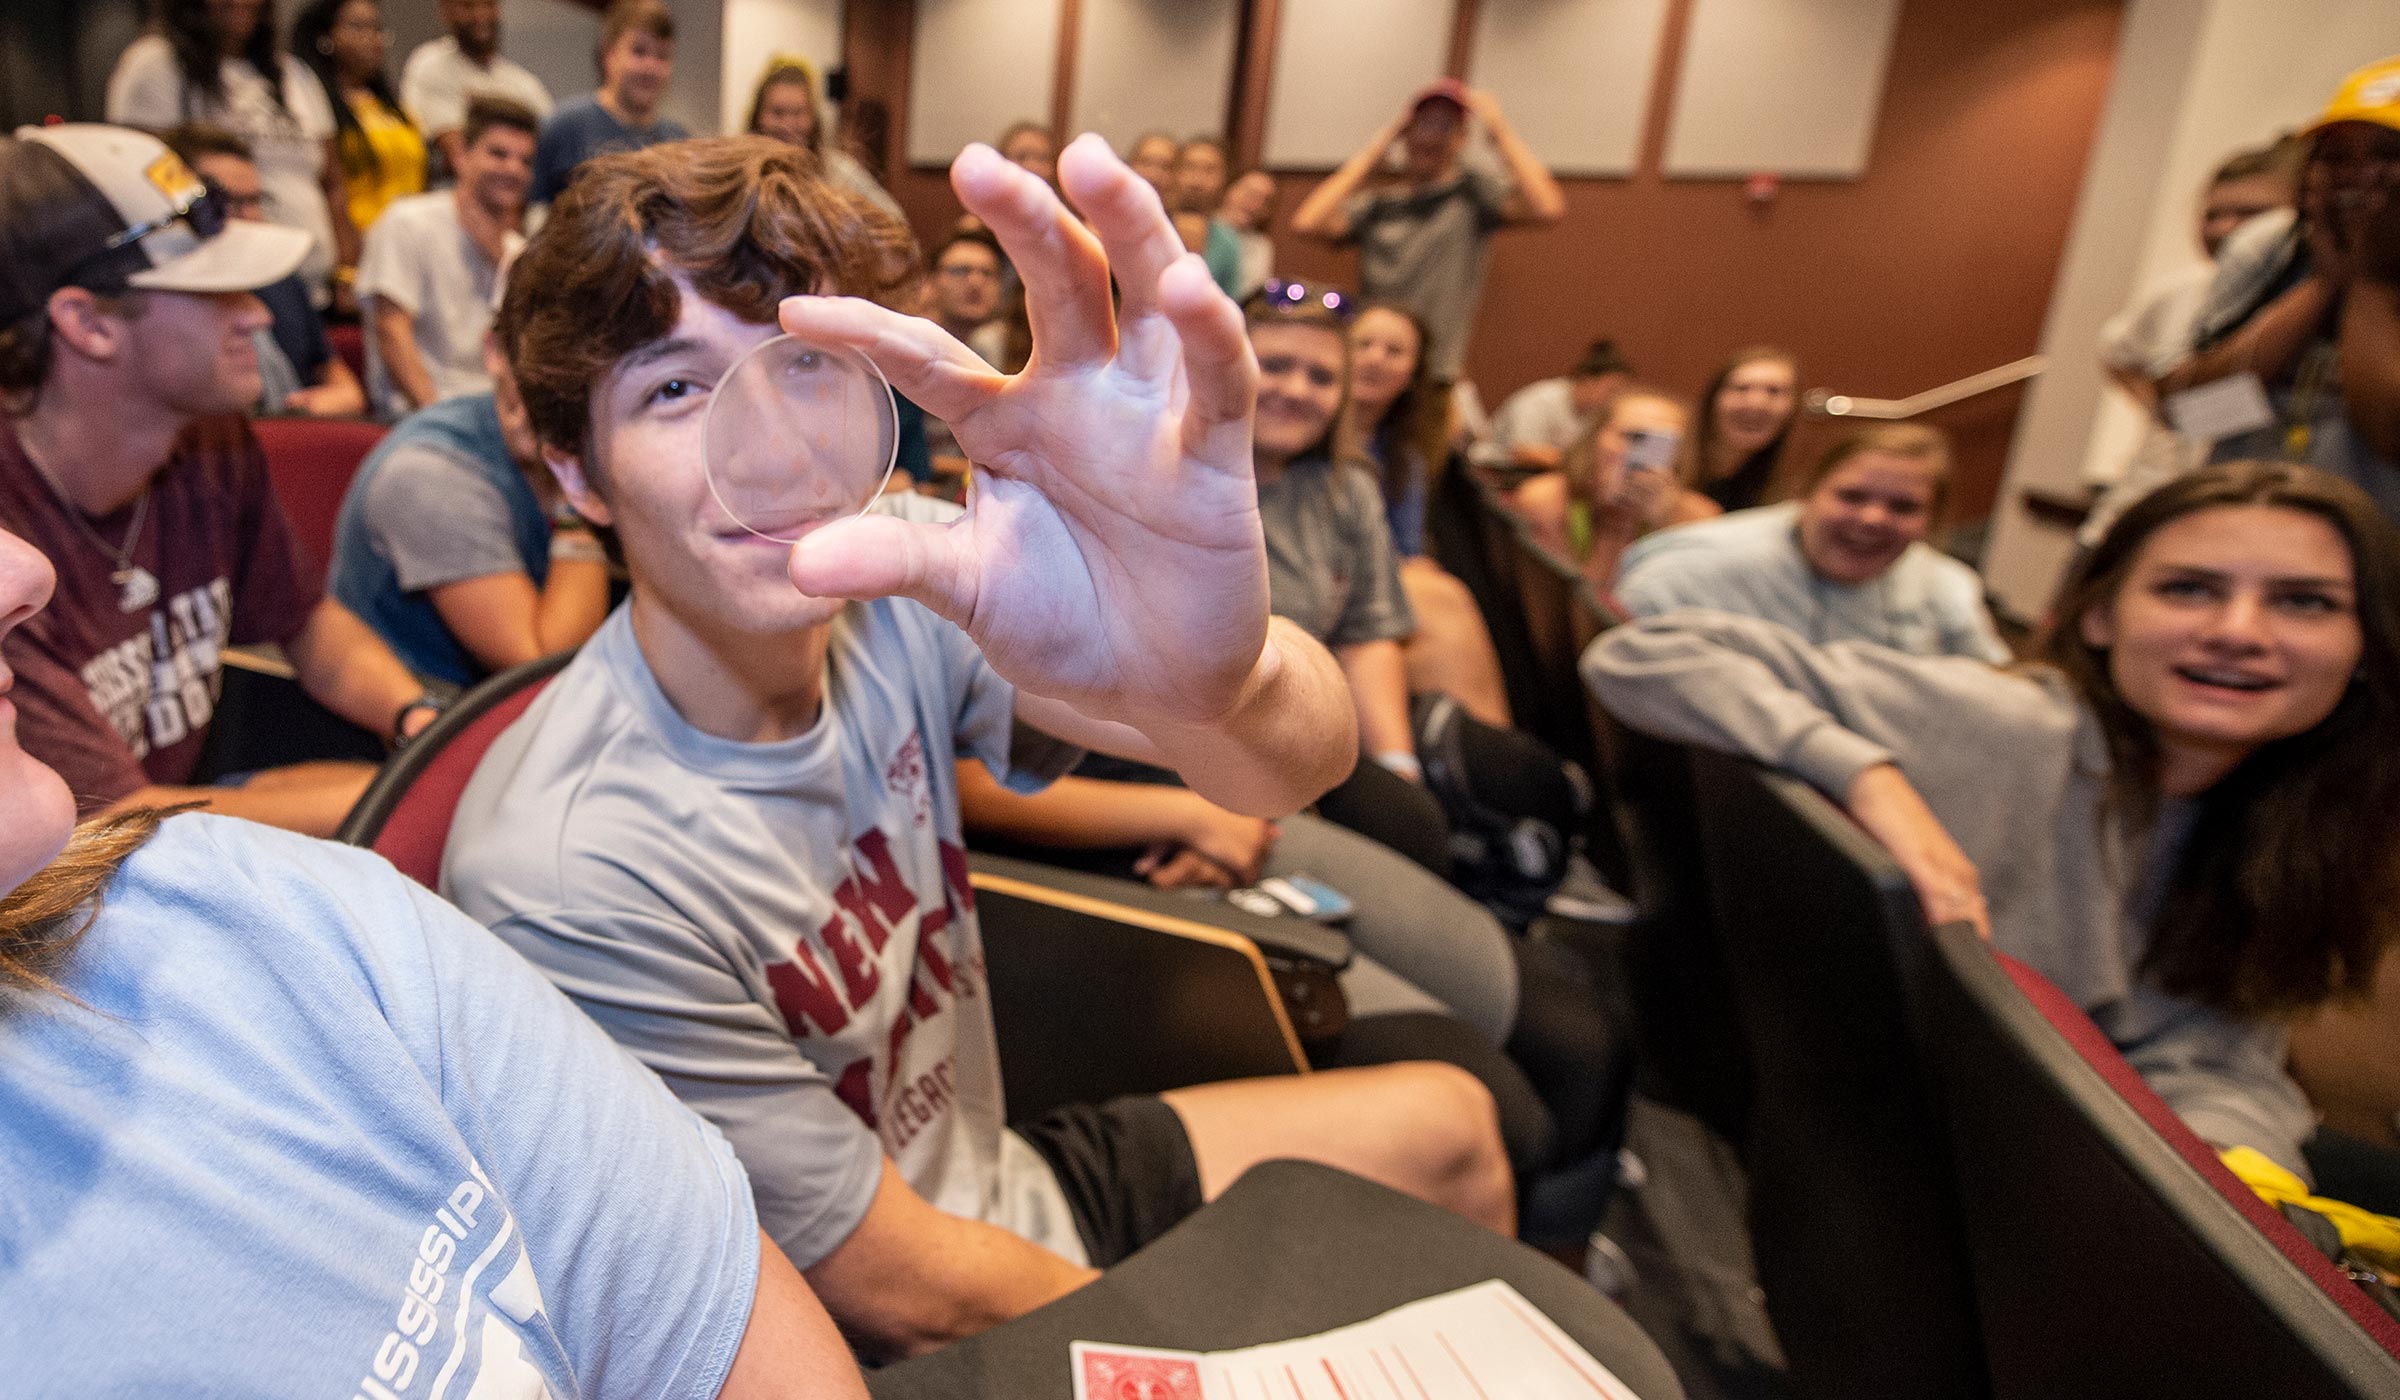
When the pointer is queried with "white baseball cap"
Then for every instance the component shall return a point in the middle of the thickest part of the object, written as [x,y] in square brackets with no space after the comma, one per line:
[165,223]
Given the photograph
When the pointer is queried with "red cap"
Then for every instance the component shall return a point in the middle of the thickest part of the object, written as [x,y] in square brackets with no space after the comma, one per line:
[1449,90]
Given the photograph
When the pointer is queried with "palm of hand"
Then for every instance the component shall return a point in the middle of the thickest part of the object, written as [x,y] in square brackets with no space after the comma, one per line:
[1111,556]
[1070,548]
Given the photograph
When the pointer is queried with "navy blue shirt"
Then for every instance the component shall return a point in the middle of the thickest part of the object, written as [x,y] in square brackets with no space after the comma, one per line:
[298,331]
[581,129]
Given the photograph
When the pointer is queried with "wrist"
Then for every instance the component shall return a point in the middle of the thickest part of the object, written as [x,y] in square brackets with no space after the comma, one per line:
[430,703]
[1400,761]
[576,546]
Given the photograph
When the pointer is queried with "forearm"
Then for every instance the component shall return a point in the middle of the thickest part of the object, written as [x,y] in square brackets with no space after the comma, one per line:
[1614,530]
[910,1279]
[336,394]
[346,668]
[1733,684]
[1287,740]
[1378,676]
[396,338]
[310,798]
[2369,364]
[2269,346]
[1071,813]
[1320,215]
[1540,199]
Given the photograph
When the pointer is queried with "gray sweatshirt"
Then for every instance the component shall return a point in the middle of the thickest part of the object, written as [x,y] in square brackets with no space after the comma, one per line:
[2016,768]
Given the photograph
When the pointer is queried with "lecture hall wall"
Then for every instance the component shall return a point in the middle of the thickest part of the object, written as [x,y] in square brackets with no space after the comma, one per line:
[1936,262]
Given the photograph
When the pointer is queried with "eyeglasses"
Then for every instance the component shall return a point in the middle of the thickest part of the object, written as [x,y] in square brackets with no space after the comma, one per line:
[1291,296]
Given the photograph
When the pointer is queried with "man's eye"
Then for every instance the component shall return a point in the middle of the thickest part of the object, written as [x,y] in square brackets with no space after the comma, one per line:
[670,390]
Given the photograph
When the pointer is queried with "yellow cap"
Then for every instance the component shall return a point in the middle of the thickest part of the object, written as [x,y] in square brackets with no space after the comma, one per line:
[2372,94]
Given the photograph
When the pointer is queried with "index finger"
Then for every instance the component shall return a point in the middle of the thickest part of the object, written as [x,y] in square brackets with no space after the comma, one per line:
[1135,232]
[1064,270]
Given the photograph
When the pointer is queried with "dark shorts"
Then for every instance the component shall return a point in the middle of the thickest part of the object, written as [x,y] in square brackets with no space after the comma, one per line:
[1126,1168]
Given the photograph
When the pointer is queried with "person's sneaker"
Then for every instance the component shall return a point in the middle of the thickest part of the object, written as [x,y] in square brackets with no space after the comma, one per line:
[1584,896]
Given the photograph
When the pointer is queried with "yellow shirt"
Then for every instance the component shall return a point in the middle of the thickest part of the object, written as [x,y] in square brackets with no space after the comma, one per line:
[397,168]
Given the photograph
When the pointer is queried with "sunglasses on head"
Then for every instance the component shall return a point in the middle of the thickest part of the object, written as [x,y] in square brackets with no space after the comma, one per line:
[204,209]
[1277,292]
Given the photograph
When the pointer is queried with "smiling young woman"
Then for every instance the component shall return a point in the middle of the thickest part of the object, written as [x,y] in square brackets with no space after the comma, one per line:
[2185,816]
[1846,561]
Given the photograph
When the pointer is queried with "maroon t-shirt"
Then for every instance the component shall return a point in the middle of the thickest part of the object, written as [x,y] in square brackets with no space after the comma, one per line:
[117,700]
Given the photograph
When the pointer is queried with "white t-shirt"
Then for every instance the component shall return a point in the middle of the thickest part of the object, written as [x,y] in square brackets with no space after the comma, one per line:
[438,81]
[147,90]
[305,1130]
[419,257]
[1542,412]
[783,931]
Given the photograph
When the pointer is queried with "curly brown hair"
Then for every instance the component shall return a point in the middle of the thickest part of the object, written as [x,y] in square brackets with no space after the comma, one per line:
[744,221]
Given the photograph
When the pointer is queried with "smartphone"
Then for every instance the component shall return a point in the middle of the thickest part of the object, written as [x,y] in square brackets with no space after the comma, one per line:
[1309,897]
[1650,451]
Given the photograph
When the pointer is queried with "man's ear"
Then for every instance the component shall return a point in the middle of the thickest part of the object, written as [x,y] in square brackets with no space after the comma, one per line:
[2099,626]
[577,487]
[80,322]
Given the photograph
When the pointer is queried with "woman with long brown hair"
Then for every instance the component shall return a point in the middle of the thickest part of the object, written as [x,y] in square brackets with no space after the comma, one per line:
[1746,415]
[784,106]
[253,1077]
[2188,815]
[220,62]
[1616,485]
[1397,421]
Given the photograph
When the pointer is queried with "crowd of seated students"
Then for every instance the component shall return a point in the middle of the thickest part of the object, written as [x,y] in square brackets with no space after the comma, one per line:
[732,831]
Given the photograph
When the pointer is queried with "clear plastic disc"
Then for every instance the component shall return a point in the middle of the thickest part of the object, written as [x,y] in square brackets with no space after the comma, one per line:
[798,434]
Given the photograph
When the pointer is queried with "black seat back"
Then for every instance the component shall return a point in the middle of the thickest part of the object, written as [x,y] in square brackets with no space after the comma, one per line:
[1471,533]
[1094,998]
[1854,1217]
[2114,1256]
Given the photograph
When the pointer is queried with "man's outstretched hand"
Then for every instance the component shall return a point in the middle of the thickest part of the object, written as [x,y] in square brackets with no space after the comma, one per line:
[1111,557]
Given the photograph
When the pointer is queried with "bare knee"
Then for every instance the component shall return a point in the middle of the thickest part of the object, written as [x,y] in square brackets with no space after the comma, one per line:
[1453,1132]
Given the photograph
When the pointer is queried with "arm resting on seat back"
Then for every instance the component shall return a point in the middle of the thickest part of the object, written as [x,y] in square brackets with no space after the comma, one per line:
[910,1278]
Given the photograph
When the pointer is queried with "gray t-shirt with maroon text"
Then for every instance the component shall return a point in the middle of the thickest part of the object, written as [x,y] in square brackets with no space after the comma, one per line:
[782,931]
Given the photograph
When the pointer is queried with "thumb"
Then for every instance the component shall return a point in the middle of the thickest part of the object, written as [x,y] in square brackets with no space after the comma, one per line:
[879,556]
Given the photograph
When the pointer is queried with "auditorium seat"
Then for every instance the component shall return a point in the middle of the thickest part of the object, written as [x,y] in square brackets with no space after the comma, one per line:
[1468,530]
[1854,1214]
[349,342]
[2114,1255]
[405,813]
[311,461]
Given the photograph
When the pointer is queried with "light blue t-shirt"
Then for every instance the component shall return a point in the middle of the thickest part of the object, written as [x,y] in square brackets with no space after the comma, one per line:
[312,1132]
[1749,562]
